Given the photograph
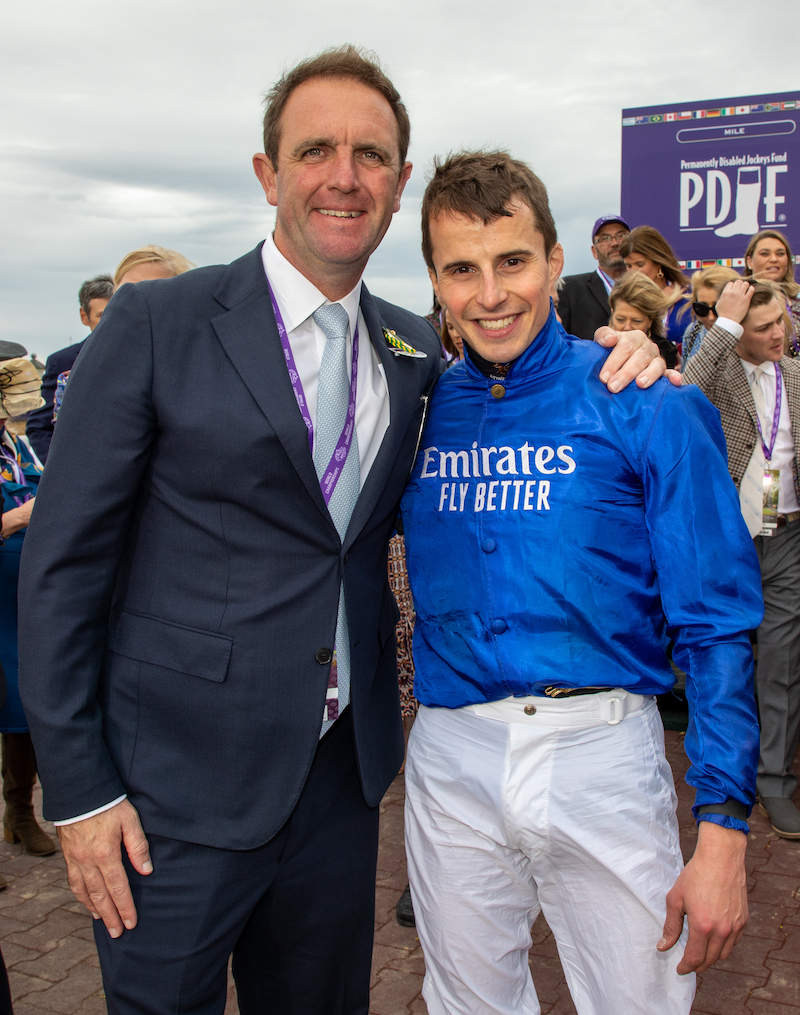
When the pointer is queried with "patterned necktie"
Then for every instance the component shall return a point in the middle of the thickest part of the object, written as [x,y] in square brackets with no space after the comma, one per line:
[751,489]
[333,396]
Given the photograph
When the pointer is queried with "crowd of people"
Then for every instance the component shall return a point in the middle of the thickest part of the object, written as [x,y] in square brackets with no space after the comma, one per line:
[216,698]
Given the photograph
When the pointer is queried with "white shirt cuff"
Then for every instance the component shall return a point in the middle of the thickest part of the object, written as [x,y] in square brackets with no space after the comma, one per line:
[730,326]
[91,814]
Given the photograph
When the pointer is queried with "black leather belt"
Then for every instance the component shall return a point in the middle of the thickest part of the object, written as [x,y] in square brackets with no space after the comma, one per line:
[573,692]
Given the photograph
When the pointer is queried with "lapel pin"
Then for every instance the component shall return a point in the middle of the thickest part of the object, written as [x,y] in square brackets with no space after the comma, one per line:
[401,348]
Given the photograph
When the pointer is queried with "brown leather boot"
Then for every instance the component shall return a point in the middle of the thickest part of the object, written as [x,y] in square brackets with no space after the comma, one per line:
[19,776]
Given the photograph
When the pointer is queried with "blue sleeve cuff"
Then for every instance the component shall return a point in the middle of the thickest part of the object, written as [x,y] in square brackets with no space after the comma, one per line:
[725,821]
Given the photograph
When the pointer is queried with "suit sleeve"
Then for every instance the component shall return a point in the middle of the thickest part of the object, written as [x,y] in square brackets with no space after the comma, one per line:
[710,584]
[39,430]
[706,366]
[72,553]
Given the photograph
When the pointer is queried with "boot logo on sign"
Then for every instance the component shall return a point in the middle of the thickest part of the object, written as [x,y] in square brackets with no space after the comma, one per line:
[748,198]
[752,194]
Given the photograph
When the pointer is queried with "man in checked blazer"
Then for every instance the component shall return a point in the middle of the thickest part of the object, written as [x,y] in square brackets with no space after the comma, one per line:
[746,347]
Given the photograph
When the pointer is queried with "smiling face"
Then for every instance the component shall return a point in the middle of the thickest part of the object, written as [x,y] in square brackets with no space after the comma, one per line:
[494,279]
[627,318]
[338,180]
[764,334]
[769,260]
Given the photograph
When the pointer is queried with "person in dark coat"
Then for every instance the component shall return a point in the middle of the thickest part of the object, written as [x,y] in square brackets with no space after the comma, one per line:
[583,299]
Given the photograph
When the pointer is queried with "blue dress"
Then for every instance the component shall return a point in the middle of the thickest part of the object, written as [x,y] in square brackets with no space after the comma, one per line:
[19,477]
[678,317]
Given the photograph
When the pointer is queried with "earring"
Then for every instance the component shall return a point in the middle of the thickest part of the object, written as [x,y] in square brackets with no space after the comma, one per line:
[660,273]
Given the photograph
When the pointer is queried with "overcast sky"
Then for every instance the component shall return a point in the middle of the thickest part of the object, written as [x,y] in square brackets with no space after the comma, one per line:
[126,124]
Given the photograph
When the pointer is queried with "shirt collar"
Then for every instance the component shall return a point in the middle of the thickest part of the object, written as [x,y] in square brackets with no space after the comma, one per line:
[297,298]
[607,280]
[767,367]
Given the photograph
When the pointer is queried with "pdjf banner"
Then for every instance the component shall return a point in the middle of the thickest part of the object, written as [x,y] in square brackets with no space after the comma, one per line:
[709,174]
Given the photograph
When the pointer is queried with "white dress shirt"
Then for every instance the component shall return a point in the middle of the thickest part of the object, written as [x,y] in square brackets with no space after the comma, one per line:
[297,299]
[783,452]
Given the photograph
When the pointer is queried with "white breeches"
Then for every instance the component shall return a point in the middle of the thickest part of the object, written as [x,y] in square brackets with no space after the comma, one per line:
[569,811]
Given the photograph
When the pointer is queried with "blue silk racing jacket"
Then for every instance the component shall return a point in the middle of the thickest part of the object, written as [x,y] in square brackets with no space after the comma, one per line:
[559,535]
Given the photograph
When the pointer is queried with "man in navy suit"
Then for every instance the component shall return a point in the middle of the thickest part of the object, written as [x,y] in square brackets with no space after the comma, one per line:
[583,301]
[93,297]
[199,578]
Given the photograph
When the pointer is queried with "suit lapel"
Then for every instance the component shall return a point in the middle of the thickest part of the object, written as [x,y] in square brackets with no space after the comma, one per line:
[249,335]
[598,290]
[402,379]
[740,386]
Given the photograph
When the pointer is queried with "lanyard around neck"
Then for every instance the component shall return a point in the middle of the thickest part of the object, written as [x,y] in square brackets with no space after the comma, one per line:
[775,419]
[333,470]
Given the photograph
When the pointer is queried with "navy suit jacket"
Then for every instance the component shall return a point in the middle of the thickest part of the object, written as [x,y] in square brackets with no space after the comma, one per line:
[181,569]
[39,430]
[583,305]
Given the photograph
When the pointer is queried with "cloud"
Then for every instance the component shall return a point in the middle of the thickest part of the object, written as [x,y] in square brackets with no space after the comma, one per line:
[128,124]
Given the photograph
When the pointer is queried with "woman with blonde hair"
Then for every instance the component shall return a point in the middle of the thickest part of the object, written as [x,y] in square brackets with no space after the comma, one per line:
[638,304]
[707,286]
[150,262]
[769,258]
[645,250]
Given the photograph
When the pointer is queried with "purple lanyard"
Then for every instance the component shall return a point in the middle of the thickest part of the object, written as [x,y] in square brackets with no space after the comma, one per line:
[608,281]
[16,469]
[793,340]
[333,471]
[775,419]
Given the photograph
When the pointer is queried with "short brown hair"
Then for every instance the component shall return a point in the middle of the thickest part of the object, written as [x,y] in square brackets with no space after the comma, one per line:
[765,293]
[341,62]
[482,185]
[648,241]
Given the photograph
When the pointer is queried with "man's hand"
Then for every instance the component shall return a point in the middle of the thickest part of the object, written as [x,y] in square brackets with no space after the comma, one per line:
[94,863]
[734,300]
[712,892]
[632,355]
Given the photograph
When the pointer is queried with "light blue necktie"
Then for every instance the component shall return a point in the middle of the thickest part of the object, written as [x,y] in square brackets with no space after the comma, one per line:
[333,395]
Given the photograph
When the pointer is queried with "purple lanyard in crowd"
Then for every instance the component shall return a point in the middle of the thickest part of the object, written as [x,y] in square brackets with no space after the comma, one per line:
[608,281]
[333,471]
[775,419]
[16,468]
[793,338]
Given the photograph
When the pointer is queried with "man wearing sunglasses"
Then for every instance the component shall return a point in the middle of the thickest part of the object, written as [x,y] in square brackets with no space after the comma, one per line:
[583,301]
[742,367]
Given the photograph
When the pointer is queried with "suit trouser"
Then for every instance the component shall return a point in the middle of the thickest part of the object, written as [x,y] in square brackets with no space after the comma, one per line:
[297,913]
[564,812]
[778,670]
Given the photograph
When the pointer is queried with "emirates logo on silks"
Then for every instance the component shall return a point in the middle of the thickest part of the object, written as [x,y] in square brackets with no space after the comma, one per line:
[401,348]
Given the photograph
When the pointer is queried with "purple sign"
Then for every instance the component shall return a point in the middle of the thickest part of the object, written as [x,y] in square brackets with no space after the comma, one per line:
[710,174]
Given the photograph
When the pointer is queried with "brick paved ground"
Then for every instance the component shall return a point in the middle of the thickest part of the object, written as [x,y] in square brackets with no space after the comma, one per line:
[47,941]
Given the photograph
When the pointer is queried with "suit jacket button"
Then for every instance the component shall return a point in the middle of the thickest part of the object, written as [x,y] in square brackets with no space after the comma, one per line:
[529,710]
[497,390]
[323,656]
